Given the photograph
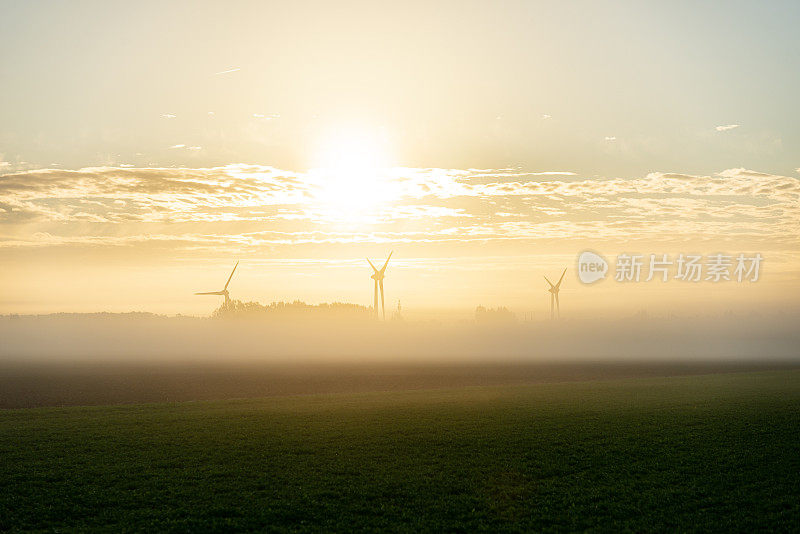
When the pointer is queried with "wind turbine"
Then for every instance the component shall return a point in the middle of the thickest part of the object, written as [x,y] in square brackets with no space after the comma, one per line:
[378,275]
[224,291]
[554,296]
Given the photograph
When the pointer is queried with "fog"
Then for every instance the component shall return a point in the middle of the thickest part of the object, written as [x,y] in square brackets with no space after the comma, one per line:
[85,338]
[86,359]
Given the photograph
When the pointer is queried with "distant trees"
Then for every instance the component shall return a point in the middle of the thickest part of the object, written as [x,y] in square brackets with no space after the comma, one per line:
[494,316]
[341,311]
[293,310]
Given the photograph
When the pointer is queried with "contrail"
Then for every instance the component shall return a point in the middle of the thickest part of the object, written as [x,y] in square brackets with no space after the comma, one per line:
[227,71]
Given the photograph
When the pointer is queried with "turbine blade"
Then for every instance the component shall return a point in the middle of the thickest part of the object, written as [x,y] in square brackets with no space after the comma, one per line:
[387,262]
[231,276]
[549,282]
[562,277]
[373,267]
[558,306]
[211,293]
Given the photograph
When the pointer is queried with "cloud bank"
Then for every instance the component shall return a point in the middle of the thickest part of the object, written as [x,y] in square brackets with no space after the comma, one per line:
[253,206]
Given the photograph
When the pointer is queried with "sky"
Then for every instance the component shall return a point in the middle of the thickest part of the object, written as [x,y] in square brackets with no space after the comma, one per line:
[145,147]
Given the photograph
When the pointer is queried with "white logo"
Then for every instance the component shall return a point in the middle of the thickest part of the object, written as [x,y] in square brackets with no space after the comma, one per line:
[591,267]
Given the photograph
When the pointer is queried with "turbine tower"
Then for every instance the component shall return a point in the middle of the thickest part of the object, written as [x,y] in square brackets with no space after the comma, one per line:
[378,275]
[224,291]
[554,306]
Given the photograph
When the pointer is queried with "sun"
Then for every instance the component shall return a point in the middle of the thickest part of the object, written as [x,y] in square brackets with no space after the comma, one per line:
[351,172]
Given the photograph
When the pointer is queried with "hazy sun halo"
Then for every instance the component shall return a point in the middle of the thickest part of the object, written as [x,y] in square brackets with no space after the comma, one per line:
[350,171]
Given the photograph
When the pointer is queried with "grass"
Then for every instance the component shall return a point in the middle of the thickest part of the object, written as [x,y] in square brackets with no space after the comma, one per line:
[709,453]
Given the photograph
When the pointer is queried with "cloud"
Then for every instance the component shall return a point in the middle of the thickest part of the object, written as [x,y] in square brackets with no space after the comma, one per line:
[741,171]
[168,116]
[726,127]
[427,205]
[610,138]
[268,116]
[152,194]
[234,69]
[185,147]
[545,116]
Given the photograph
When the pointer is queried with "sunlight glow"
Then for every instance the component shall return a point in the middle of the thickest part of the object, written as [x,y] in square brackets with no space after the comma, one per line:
[351,173]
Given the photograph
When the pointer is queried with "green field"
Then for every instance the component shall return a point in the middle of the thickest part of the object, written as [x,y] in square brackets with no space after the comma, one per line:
[712,452]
